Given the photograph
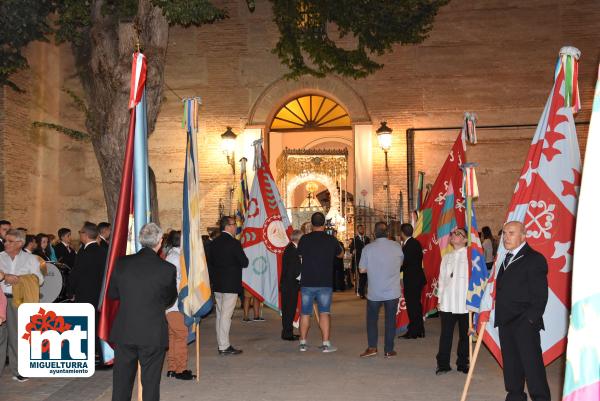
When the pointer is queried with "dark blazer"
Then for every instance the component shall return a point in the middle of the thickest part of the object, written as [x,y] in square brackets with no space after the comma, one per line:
[358,245]
[63,255]
[412,266]
[522,290]
[146,286]
[103,243]
[226,259]
[291,267]
[85,280]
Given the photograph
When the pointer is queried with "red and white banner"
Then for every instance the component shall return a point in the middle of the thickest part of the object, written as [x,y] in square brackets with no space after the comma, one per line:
[545,200]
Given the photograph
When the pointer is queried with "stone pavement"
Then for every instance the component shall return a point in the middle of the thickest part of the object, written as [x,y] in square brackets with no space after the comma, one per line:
[273,370]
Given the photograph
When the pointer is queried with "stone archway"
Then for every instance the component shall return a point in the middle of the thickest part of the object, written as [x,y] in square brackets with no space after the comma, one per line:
[282,90]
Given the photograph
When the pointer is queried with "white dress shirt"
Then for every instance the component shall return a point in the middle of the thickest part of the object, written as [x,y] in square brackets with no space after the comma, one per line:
[24,263]
[454,281]
[173,257]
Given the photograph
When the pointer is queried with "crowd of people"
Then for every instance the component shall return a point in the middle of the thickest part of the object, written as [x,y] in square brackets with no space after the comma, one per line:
[149,325]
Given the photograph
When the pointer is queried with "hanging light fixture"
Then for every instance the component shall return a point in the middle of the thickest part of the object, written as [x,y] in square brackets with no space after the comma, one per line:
[384,136]
[228,145]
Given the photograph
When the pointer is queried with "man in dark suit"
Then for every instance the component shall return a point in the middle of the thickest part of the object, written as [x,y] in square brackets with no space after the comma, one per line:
[356,246]
[413,280]
[104,234]
[87,275]
[226,259]
[63,251]
[85,280]
[521,297]
[290,285]
[146,286]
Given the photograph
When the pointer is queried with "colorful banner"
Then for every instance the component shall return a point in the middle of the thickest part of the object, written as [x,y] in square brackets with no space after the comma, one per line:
[123,235]
[582,373]
[194,290]
[545,200]
[265,235]
[243,197]
[443,209]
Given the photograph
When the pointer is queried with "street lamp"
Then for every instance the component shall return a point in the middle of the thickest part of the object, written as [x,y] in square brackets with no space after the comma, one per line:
[384,136]
[228,145]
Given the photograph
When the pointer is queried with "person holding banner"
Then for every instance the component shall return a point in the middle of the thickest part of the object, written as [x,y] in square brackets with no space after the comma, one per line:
[290,286]
[226,259]
[521,297]
[452,294]
[414,280]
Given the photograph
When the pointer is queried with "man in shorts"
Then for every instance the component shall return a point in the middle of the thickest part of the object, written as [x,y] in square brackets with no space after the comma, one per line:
[318,251]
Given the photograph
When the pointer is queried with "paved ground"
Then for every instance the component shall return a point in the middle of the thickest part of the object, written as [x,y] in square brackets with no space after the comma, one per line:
[272,369]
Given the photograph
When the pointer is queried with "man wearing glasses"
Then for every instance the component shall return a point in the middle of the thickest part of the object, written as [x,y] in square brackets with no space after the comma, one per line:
[226,259]
[14,262]
[452,297]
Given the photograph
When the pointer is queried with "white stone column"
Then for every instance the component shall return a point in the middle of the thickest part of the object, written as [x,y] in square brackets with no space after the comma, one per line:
[363,164]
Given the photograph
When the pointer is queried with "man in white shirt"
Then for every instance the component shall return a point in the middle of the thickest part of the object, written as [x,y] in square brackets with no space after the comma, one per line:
[452,297]
[14,262]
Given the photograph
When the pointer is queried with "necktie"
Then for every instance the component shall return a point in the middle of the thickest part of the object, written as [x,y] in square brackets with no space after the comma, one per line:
[505,263]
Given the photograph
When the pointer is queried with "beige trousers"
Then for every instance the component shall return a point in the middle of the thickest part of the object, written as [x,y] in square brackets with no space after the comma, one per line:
[225,307]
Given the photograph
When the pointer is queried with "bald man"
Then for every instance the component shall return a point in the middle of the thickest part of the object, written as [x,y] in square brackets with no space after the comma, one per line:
[521,297]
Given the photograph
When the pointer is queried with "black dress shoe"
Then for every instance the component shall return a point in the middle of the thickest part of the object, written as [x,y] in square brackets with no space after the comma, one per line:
[441,371]
[230,351]
[464,369]
[171,373]
[294,337]
[407,336]
[185,375]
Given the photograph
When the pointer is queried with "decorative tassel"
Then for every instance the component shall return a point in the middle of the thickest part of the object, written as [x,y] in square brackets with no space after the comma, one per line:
[470,187]
[257,153]
[469,130]
[568,60]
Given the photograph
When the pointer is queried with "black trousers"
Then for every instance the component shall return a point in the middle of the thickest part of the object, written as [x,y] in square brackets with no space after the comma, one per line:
[448,321]
[412,296]
[151,360]
[362,284]
[289,301]
[522,357]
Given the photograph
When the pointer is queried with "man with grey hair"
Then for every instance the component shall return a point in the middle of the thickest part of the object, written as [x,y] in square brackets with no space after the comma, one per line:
[521,298]
[290,286]
[145,285]
[381,261]
[14,262]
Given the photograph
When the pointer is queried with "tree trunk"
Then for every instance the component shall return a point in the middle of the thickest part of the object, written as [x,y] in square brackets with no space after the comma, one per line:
[104,64]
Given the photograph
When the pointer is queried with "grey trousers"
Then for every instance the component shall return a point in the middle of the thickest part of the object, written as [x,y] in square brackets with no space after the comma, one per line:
[8,339]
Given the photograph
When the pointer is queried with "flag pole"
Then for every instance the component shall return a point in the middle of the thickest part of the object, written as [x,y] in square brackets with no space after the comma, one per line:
[139,382]
[197,352]
[473,361]
[470,335]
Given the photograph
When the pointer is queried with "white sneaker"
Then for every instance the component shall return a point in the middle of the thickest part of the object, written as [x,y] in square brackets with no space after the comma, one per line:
[328,348]
[303,347]
[20,378]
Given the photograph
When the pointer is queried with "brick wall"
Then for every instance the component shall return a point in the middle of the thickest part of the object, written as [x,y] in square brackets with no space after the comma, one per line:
[494,57]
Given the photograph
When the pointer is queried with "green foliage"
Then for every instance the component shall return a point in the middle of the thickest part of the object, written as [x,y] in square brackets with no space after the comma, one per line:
[190,12]
[375,26]
[79,135]
[21,22]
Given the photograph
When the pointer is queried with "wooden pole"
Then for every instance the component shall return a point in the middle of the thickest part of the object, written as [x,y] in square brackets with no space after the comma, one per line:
[139,382]
[472,364]
[316,313]
[470,335]
[197,352]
